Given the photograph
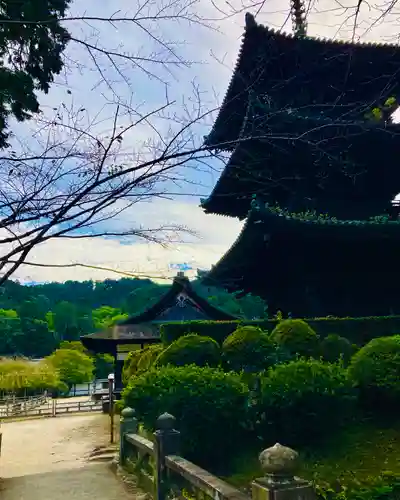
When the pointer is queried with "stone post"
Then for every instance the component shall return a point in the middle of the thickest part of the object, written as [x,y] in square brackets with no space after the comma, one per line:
[128,425]
[279,465]
[167,442]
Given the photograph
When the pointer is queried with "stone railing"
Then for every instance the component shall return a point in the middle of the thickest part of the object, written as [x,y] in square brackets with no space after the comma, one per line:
[163,473]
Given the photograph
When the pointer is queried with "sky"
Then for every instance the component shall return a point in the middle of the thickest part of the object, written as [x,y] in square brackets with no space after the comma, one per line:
[213,52]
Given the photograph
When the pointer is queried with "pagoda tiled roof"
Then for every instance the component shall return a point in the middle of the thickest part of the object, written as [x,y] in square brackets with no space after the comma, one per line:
[342,167]
[338,78]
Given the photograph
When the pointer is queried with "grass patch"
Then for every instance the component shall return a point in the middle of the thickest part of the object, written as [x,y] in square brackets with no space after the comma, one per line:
[357,454]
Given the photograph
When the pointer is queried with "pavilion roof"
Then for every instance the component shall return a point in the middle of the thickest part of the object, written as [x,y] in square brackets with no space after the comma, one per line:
[180,303]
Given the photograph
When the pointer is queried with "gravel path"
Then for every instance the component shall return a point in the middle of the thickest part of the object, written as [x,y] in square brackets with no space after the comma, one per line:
[48,458]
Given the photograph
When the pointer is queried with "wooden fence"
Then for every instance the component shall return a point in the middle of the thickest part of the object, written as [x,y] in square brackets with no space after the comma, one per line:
[47,407]
[163,473]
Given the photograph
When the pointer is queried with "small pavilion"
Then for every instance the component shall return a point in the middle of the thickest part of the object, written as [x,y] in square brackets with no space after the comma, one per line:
[180,303]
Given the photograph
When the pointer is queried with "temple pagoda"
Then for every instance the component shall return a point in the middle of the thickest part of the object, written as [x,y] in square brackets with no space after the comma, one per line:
[313,170]
[180,303]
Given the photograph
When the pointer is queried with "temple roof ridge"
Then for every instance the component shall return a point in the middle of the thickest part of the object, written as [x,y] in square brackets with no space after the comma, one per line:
[251,23]
[305,70]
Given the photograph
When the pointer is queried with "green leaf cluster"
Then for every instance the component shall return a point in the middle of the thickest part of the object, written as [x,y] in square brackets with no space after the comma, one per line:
[296,336]
[251,350]
[210,407]
[191,349]
[73,367]
[375,369]
[303,401]
[32,41]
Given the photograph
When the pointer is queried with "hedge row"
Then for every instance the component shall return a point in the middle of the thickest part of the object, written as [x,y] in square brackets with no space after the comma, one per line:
[357,330]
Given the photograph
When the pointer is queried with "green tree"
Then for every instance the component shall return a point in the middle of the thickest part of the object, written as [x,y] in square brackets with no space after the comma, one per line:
[31,309]
[103,363]
[65,320]
[248,306]
[73,345]
[30,53]
[10,332]
[37,340]
[106,316]
[74,367]
[8,313]
[144,297]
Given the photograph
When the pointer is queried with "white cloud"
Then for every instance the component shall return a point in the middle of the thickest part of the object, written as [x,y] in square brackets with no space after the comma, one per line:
[215,235]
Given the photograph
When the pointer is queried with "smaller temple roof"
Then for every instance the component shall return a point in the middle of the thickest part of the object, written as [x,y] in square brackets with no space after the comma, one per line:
[344,168]
[336,78]
[180,303]
[277,252]
[264,221]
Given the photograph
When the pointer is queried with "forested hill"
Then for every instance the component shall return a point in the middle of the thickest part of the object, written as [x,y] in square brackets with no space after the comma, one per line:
[35,319]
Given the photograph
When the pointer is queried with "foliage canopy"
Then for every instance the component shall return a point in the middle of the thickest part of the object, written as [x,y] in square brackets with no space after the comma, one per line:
[32,41]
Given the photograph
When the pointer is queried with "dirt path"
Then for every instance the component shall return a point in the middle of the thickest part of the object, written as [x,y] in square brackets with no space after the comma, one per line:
[48,458]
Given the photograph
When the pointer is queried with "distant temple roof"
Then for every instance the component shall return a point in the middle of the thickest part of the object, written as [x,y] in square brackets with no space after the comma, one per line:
[314,265]
[180,303]
[348,169]
[334,78]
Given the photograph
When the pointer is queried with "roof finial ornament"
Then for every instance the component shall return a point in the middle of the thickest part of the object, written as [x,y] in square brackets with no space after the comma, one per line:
[250,21]
[299,18]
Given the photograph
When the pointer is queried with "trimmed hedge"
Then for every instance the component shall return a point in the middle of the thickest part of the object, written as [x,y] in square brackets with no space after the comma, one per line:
[296,336]
[191,349]
[357,330]
[210,407]
[303,401]
[251,350]
[375,369]
[334,348]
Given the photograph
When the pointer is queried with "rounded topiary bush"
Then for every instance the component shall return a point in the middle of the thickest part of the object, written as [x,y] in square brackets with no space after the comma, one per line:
[250,349]
[149,356]
[130,367]
[303,401]
[334,348]
[296,336]
[375,369]
[191,349]
[210,407]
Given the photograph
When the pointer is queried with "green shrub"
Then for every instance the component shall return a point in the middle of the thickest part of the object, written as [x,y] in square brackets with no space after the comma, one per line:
[209,405]
[304,400]
[334,348]
[131,365]
[357,330]
[252,350]
[296,336]
[217,330]
[191,349]
[375,369]
[149,356]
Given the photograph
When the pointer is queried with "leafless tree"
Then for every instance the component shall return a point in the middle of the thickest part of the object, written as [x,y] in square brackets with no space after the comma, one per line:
[76,176]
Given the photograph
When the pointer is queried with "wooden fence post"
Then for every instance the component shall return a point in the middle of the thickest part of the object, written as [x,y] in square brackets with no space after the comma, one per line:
[279,465]
[128,425]
[167,442]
